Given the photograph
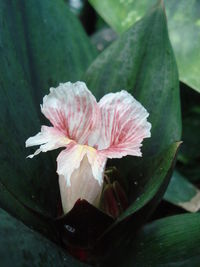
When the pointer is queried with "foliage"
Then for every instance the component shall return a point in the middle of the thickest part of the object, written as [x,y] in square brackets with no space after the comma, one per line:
[43,43]
[183,22]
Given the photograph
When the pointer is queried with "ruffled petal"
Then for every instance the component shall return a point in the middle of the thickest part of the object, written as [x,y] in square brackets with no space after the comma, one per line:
[123,125]
[49,138]
[72,109]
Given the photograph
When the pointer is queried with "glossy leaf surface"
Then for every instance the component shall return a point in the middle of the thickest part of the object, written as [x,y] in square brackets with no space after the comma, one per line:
[168,242]
[151,173]
[142,62]
[147,181]
[36,41]
[184,29]
[183,193]
[189,157]
[21,246]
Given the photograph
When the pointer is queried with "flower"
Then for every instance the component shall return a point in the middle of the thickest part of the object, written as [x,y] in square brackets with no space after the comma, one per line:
[91,133]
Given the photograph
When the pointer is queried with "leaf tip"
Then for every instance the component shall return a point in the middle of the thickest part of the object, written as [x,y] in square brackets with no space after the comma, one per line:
[161,5]
[177,145]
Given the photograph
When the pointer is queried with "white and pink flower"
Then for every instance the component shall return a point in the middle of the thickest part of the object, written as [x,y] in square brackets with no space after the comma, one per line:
[91,133]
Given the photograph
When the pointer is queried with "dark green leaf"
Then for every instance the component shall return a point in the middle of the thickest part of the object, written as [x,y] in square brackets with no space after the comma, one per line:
[13,205]
[184,29]
[149,175]
[41,44]
[21,246]
[191,134]
[58,48]
[103,38]
[148,181]
[169,242]
[142,62]
[189,156]
[183,193]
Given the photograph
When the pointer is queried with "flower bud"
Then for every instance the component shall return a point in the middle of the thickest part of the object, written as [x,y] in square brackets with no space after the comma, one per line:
[121,196]
[114,199]
[109,202]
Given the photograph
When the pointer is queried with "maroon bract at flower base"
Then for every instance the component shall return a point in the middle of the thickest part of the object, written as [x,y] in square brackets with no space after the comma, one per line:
[91,133]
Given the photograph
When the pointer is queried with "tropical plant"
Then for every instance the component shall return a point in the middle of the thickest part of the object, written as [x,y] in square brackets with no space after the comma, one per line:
[42,44]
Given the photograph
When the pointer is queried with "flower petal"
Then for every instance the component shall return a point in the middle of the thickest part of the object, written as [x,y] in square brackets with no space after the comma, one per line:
[72,109]
[49,138]
[124,125]
[97,162]
[69,160]
[83,186]
[81,171]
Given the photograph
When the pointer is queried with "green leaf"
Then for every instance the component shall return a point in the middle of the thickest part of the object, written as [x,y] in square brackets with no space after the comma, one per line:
[34,220]
[191,134]
[169,242]
[148,180]
[121,15]
[21,246]
[41,44]
[57,46]
[103,38]
[141,61]
[190,151]
[151,174]
[184,29]
[182,193]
